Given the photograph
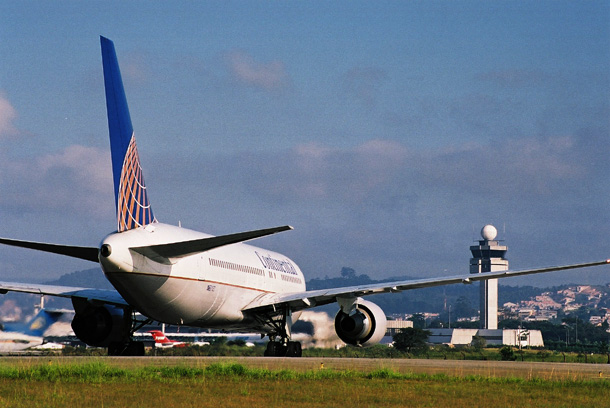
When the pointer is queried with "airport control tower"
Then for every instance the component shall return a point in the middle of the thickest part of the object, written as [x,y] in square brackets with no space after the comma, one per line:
[488,256]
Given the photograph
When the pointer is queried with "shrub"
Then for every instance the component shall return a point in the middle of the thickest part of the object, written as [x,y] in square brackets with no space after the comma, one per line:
[507,353]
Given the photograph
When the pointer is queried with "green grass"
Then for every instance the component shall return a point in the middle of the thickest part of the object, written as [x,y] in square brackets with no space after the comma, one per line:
[101,372]
[99,384]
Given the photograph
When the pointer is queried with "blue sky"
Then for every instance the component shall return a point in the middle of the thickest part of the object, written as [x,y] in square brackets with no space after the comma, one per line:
[386,133]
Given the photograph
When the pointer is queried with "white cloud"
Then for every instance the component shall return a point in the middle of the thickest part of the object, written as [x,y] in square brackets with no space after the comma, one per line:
[514,167]
[87,165]
[7,115]
[136,67]
[78,179]
[389,174]
[270,76]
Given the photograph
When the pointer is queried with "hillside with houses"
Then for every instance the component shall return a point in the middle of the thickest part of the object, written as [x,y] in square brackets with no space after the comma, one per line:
[590,303]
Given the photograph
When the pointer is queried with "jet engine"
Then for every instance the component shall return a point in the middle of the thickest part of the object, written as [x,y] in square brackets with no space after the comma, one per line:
[360,323]
[101,326]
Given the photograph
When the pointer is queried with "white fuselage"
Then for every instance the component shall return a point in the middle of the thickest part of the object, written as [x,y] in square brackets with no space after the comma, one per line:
[207,289]
[13,341]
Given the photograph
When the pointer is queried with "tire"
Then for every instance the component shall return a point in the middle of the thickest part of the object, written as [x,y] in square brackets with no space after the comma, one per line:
[294,349]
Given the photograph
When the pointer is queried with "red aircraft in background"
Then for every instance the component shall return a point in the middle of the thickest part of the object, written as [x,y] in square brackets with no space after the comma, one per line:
[161,340]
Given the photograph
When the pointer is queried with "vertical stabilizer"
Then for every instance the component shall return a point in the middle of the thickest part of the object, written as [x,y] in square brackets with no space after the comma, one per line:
[132,206]
[37,325]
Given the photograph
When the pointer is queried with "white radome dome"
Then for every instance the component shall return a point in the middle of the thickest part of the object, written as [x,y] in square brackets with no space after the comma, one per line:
[489,232]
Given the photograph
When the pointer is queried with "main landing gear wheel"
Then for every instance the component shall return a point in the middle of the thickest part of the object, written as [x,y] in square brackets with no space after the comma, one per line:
[294,349]
[279,349]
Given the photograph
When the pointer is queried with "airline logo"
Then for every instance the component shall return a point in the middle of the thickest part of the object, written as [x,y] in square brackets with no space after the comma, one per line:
[159,337]
[162,341]
[38,323]
[133,206]
[276,264]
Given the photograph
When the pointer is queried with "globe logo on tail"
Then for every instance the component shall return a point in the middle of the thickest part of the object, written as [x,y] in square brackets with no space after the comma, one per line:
[133,206]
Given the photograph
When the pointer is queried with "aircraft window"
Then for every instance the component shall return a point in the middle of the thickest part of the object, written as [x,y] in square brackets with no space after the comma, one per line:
[237,267]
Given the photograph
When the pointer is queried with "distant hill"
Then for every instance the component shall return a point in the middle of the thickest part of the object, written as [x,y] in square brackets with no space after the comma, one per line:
[89,278]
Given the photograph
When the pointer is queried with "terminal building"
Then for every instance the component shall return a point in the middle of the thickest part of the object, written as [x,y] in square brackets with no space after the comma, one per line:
[497,337]
[488,256]
[395,326]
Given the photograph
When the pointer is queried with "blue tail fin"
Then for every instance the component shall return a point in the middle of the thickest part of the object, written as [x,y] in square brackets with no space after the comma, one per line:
[37,325]
[132,206]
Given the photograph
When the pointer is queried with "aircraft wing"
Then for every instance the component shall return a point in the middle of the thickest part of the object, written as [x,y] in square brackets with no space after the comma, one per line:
[101,295]
[308,299]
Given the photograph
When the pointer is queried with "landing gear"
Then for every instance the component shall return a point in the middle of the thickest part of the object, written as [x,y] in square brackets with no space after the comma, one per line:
[282,325]
[280,349]
[275,349]
[294,349]
[128,347]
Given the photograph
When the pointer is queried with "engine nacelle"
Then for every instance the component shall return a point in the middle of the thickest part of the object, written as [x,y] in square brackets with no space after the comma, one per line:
[99,326]
[363,325]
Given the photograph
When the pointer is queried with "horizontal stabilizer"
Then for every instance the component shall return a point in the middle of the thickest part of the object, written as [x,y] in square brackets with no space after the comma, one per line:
[162,253]
[86,253]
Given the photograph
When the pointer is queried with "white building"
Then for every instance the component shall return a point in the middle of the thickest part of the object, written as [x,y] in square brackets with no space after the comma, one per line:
[506,337]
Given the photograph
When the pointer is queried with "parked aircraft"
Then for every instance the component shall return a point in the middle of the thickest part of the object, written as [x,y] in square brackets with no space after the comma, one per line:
[182,277]
[19,336]
[161,340]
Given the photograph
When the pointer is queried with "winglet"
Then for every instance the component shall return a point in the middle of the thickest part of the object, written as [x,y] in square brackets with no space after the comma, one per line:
[132,206]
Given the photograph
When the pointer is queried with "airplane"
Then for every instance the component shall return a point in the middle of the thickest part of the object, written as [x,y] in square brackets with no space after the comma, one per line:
[178,276]
[161,340]
[16,337]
